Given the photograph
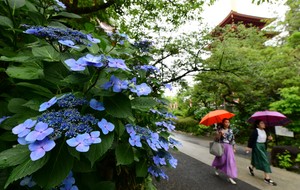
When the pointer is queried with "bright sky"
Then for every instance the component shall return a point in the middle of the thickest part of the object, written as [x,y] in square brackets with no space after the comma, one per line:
[219,10]
[214,14]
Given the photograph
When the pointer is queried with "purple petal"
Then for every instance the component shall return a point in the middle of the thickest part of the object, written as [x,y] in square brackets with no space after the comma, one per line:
[68,43]
[32,136]
[82,148]
[37,154]
[41,126]
[49,145]
[96,105]
[22,141]
[72,142]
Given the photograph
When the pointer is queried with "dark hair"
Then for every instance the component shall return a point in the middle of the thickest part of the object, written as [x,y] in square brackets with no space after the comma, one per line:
[221,125]
[256,123]
[224,120]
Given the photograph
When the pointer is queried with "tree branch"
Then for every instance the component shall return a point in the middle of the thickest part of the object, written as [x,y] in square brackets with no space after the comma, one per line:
[73,7]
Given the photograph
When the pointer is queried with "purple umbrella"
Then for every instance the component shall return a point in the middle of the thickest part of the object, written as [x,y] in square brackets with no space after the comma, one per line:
[270,118]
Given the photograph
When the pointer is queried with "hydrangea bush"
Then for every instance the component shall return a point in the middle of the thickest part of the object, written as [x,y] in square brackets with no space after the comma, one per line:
[80,110]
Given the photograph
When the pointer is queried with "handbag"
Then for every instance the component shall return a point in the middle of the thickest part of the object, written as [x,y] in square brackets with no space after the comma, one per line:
[216,148]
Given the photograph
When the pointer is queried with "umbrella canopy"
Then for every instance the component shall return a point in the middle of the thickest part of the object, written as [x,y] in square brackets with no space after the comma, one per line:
[215,117]
[270,118]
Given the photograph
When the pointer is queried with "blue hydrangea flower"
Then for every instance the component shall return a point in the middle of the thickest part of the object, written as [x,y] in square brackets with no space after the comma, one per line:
[92,60]
[116,83]
[68,183]
[135,140]
[156,111]
[166,124]
[117,63]
[96,105]
[66,36]
[130,130]
[44,106]
[39,148]
[60,4]
[157,172]
[170,116]
[142,89]
[68,43]
[149,68]
[22,141]
[81,142]
[172,161]
[106,126]
[94,137]
[27,181]
[70,101]
[159,161]
[91,39]
[174,143]
[74,65]
[24,128]
[40,132]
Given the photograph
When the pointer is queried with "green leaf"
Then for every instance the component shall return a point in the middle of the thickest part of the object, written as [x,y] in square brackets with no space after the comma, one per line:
[31,7]
[141,168]
[74,152]
[8,136]
[69,15]
[98,150]
[94,48]
[37,89]
[107,185]
[15,4]
[118,106]
[82,167]
[33,104]
[57,169]
[15,105]
[89,27]
[55,72]
[143,103]
[120,128]
[26,168]
[46,52]
[18,59]
[14,156]
[75,78]
[124,154]
[27,72]
[5,21]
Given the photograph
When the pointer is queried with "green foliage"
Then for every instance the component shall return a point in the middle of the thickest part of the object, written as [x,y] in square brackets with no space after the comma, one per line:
[285,160]
[186,124]
[289,105]
[298,158]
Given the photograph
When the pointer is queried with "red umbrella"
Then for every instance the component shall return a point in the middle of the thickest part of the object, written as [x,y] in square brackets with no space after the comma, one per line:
[270,118]
[215,117]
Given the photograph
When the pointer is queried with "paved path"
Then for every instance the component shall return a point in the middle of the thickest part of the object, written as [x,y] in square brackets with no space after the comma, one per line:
[194,175]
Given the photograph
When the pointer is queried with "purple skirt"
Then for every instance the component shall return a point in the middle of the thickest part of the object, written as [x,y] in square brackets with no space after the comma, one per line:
[226,162]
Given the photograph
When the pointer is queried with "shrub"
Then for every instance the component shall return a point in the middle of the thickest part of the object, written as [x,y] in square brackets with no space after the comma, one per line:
[78,109]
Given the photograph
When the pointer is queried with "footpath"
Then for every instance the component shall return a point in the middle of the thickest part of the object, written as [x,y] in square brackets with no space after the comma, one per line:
[195,149]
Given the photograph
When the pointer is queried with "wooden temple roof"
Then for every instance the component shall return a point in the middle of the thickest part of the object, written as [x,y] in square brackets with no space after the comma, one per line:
[234,18]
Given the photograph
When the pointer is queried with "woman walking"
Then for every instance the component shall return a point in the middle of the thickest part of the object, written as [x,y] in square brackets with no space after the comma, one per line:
[259,158]
[226,163]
